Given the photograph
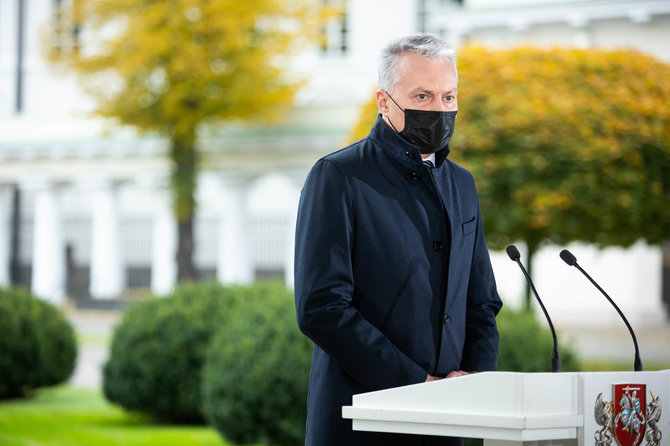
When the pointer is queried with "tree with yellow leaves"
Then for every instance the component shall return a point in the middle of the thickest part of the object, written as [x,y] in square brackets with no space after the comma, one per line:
[565,144]
[172,66]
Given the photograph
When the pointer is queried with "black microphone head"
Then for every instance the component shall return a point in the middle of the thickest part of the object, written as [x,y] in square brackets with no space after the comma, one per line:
[568,257]
[513,253]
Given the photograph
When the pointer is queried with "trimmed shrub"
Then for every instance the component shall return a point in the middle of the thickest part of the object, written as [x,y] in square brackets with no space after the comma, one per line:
[526,344]
[158,349]
[257,370]
[37,344]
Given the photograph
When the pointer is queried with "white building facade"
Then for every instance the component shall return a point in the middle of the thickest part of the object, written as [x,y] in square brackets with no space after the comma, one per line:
[84,206]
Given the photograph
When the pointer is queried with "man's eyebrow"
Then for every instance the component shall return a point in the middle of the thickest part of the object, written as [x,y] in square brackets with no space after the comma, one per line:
[431,92]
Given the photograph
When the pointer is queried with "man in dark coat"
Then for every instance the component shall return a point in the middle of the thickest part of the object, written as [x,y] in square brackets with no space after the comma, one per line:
[393,281]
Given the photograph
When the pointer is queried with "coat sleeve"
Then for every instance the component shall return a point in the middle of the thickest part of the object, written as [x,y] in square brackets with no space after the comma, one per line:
[324,287]
[480,351]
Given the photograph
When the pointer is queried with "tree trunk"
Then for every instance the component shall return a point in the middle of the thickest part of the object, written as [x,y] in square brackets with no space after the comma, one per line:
[184,174]
[185,267]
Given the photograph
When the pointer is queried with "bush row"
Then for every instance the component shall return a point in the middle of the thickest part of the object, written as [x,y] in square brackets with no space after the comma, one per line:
[256,373]
[158,350]
[235,358]
[526,344]
[37,344]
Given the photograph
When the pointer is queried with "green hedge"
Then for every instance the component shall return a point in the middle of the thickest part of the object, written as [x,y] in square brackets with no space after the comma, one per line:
[235,357]
[257,371]
[37,344]
[158,349]
[526,344]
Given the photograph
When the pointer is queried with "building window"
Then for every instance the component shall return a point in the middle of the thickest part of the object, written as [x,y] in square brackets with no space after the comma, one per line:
[66,31]
[335,33]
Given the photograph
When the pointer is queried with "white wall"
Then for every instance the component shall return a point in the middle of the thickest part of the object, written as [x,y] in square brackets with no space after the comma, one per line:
[631,277]
[7,56]
[46,92]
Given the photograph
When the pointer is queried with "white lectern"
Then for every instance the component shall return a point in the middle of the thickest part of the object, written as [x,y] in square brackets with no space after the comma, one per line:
[507,408]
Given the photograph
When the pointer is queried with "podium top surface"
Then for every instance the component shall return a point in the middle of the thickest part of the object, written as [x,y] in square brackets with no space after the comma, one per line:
[501,405]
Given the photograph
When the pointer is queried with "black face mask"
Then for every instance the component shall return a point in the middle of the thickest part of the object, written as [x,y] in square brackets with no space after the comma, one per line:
[430,130]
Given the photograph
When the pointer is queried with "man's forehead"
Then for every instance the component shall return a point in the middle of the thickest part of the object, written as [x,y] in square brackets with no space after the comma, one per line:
[412,58]
[415,64]
[442,80]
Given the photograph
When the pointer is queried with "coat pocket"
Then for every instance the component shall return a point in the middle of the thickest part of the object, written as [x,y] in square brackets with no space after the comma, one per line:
[470,226]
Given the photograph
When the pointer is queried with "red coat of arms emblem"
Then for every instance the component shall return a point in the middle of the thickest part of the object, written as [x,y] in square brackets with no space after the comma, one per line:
[628,418]
[629,413]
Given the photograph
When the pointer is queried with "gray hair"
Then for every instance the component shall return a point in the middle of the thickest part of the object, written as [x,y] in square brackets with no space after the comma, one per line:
[426,45]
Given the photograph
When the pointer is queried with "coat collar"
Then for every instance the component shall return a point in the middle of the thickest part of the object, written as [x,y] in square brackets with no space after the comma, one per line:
[397,146]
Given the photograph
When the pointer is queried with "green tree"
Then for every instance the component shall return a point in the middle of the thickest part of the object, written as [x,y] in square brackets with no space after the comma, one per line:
[565,144]
[173,66]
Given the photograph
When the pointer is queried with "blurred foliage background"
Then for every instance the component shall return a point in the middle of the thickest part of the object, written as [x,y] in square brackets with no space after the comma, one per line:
[173,67]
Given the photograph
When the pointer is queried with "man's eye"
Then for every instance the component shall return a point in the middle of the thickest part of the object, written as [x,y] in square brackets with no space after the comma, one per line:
[422,97]
[448,98]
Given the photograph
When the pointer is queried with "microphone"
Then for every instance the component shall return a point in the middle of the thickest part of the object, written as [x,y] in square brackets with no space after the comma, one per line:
[572,261]
[514,254]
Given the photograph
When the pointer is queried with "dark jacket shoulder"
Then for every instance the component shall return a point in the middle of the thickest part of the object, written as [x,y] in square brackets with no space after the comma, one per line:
[350,158]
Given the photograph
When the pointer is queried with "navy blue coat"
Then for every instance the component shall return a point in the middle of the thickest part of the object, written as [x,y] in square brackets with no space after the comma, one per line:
[393,279]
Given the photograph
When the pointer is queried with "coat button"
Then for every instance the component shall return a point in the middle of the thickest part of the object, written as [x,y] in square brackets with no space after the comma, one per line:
[438,245]
[415,176]
[410,155]
[446,319]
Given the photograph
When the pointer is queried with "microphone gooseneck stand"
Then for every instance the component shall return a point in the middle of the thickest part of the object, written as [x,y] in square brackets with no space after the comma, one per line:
[571,260]
[514,255]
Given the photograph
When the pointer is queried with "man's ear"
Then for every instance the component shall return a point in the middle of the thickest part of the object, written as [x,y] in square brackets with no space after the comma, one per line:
[382,103]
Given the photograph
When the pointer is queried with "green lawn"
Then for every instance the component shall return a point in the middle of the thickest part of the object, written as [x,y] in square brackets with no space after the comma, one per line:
[606,365]
[64,416]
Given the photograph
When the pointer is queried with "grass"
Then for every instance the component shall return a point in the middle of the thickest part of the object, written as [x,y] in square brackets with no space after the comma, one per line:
[608,365]
[64,416]
[89,339]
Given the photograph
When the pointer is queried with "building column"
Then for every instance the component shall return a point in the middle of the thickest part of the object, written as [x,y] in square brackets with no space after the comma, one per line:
[48,263]
[5,233]
[107,269]
[164,249]
[233,265]
[289,267]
